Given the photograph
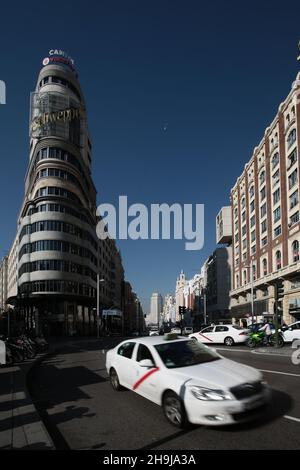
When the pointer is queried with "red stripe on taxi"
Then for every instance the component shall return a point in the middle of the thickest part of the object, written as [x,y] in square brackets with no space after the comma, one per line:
[144,377]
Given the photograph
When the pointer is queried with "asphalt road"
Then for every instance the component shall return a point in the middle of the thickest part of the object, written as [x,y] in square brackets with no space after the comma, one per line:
[72,391]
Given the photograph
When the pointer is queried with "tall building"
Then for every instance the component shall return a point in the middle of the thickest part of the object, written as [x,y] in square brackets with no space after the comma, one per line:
[58,252]
[179,293]
[156,308]
[218,283]
[169,310]
[265,220]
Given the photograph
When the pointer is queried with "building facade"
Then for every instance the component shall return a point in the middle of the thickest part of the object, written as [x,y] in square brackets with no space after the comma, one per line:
[56,256]
[156,308]
[265,220]
[218,284]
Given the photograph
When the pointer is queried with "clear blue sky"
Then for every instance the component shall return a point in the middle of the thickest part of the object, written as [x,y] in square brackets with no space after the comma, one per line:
[214,71]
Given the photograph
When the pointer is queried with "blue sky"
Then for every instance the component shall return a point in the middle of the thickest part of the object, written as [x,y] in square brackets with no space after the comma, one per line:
[214,71]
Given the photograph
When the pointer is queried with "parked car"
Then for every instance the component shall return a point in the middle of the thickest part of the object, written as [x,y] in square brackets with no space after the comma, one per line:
[291,332]
[226,334]
[191,382]
[187,330]
[176,330]
[154,333]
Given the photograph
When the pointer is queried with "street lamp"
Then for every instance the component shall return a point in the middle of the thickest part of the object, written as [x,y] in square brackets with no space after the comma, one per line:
[98,303]
[252,293]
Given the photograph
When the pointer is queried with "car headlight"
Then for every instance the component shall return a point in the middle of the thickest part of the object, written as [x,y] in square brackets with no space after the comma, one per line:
[209,394]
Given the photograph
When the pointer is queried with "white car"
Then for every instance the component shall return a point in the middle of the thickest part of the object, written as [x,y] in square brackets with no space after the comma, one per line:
[176,330]
[192,382]
[227,334]
[291,332]
[154,333]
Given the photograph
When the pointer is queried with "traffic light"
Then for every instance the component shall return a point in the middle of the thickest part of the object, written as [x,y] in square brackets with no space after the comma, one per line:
[182,311]
[279,295]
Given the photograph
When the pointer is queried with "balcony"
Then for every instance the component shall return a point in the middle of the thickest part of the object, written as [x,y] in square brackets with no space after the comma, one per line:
[289,124]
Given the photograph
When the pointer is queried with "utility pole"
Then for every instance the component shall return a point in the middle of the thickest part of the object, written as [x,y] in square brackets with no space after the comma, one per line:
[98,303]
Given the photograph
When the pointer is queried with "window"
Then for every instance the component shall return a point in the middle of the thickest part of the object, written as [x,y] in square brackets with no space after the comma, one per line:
[144,353]
[275,160]
[291,138]
[126,350]
[262,177]
[277,231]
[253,249]
[263,210]
[251,191]
[276,196]
[252,221]
[252,206]
[244,216]
[210,329]
[253,236]
[262,193]
[263,226]
[237,280]
[221,328]
[292,158]
[294,219]
[275,178]
[244,244]
[293,178]
[265,266]
[295,250]
[254,272]
[278,259]
[243,202]
[236,212]
[276,214]
[244,229]
[294,199]
[264,241]
[236,237]
[245,277]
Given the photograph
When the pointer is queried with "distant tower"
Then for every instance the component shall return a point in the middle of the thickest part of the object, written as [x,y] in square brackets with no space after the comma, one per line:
[156,308]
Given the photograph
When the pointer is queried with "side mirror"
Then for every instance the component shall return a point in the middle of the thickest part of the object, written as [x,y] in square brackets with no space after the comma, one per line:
[290,328]
[146,363]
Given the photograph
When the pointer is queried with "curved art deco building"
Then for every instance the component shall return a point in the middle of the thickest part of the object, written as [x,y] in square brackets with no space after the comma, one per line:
[58,247]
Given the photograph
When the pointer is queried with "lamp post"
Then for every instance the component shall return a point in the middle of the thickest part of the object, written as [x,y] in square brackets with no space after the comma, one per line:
[98,303]
[252,291]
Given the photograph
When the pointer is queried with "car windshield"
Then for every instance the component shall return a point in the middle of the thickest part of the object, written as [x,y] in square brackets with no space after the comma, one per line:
[184,354]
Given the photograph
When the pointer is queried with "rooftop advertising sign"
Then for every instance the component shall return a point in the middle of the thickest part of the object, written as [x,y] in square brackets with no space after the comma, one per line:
[59,57]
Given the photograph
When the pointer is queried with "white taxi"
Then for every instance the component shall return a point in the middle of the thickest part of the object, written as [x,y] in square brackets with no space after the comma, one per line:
[226,334]
[192,382]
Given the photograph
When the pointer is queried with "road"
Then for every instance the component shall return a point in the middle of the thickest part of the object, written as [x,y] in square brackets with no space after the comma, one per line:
[72,391]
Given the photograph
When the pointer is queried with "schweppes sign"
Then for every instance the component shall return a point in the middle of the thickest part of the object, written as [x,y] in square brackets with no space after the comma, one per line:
[66,115]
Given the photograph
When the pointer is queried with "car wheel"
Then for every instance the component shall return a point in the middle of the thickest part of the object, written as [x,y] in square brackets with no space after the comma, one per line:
[193,338]
[174,410]
[228,341]
[114,380]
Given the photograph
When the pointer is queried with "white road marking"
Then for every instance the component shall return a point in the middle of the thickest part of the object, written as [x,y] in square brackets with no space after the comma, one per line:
[292,418]
[278,372]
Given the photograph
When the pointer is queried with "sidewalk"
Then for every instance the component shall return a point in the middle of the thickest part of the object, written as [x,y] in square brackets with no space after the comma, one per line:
[20,424]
